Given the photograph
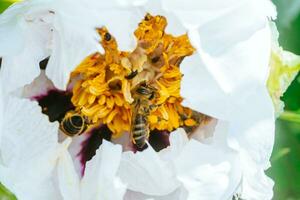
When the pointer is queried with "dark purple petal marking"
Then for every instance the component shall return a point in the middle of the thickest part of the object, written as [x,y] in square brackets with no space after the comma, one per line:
[55,104]
[44,63]
[159,140]
[92,143]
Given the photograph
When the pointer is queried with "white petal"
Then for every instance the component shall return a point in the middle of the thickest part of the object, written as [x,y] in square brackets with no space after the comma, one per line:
[10,31]
[232,86]
[21,68]
[29,150]
[178,140]
[75,150]
[222,80]
[14,76]
[67,53]
[215,174]
[40,86]
[254,135]
[221,24]
[21,63]
[100,181]
[179,194]
[67,177]
[44,28]
[258,125]
[145,172]
[256,185]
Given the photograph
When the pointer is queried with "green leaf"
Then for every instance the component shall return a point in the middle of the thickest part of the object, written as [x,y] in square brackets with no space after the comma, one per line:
[285,169]
[5,4]
[5,194]
[281,153]
[287,10]
[290,116]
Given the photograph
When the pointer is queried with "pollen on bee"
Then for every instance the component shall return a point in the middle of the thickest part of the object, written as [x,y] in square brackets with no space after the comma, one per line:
[105,83]
[190,122]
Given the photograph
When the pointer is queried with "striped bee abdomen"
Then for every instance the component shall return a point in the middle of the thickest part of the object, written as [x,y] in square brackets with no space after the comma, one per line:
[140,130]
[73,124]
[143,103]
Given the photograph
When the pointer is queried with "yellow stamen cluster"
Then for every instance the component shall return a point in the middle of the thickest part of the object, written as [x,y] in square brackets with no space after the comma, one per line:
[104,82]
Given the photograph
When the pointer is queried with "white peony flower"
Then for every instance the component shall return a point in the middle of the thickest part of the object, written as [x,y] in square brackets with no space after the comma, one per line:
[225,78]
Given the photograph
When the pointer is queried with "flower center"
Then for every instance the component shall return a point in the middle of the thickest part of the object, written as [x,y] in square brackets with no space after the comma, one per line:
[139,90]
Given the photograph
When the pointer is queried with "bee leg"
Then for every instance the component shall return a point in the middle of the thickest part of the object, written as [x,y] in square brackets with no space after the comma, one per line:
[152,107]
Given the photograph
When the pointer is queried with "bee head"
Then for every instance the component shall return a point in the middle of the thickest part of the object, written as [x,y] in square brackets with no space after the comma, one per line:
[146,91]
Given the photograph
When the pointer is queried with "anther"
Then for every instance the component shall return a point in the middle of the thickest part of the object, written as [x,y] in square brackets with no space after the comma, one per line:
[131,75]
[155,59]
[107,37]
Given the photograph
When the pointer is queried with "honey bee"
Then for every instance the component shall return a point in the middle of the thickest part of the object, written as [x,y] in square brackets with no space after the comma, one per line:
[73,124]
[142,106]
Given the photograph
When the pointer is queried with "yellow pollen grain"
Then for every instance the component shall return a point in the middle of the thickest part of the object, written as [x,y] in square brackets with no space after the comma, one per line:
[153,119]
[190,122]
